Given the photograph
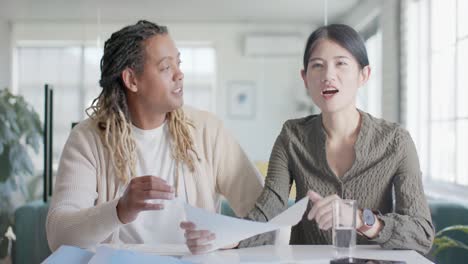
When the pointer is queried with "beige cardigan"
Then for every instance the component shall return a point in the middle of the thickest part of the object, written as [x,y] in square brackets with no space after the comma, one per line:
[83,207]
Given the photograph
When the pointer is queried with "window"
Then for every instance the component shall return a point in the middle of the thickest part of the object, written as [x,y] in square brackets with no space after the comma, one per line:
[437,112]
[199,68]
[74,73]
[370,95]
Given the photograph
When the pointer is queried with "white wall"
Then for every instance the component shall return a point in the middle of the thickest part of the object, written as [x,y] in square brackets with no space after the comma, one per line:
[391,85]
[363,13]
[5,57]
[277,78]
[387,12]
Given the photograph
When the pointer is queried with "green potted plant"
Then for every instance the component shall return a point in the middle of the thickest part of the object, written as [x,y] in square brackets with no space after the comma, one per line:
[443,240]
[20,132]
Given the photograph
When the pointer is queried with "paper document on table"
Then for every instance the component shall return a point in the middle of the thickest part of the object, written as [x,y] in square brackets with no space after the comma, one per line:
[230,230]
[106,254]
[158,249]
[69,254]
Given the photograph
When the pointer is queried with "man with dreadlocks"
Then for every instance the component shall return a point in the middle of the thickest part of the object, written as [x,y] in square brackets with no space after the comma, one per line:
[139,146]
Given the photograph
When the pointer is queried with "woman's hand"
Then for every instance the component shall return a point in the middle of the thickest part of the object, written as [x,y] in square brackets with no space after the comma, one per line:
[138,191]
[197,240]
[321,209]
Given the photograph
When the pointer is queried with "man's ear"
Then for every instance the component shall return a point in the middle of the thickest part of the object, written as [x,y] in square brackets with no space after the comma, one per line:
[129,79]
[365,74]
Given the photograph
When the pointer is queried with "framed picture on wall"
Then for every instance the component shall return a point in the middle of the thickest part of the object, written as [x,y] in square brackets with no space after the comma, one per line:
[241,99]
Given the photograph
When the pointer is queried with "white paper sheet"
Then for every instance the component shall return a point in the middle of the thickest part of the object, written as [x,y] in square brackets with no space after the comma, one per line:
[230,230]
[293,215]
[69,254]
[106,254]
[158,249]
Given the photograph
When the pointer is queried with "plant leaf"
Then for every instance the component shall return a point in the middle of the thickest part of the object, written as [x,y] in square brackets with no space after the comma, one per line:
[37,123]
[5,166]
[462,228]
[4,224]
[18,122]
[33,139]
[6,133]
[445,242]
[12,119]
[13,185]
[32,188]
[20,160]
[5,193]
[3,247]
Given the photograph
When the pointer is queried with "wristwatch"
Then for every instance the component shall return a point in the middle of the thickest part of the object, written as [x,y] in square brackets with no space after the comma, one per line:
[368,220]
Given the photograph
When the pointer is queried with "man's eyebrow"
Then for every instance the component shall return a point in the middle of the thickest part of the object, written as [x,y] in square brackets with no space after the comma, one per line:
[168,57]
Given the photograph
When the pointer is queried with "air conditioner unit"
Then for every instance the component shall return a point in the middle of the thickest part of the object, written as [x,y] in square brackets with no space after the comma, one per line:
[273,44]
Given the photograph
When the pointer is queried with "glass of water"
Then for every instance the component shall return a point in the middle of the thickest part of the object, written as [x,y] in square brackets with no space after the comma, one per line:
[344,227]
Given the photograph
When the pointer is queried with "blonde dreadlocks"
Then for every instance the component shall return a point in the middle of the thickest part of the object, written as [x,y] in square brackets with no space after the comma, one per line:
[109,110]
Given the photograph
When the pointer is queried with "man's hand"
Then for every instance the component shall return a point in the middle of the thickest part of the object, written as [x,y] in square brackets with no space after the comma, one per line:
[197,240]
[138,191]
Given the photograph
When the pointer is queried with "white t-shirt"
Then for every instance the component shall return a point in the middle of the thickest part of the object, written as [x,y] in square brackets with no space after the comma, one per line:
[154,158]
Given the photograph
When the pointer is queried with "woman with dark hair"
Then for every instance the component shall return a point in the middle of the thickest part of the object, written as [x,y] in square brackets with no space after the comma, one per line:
[140,144]
[345,153]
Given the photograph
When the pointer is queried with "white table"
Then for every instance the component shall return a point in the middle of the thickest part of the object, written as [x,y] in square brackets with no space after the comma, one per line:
[314,254]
